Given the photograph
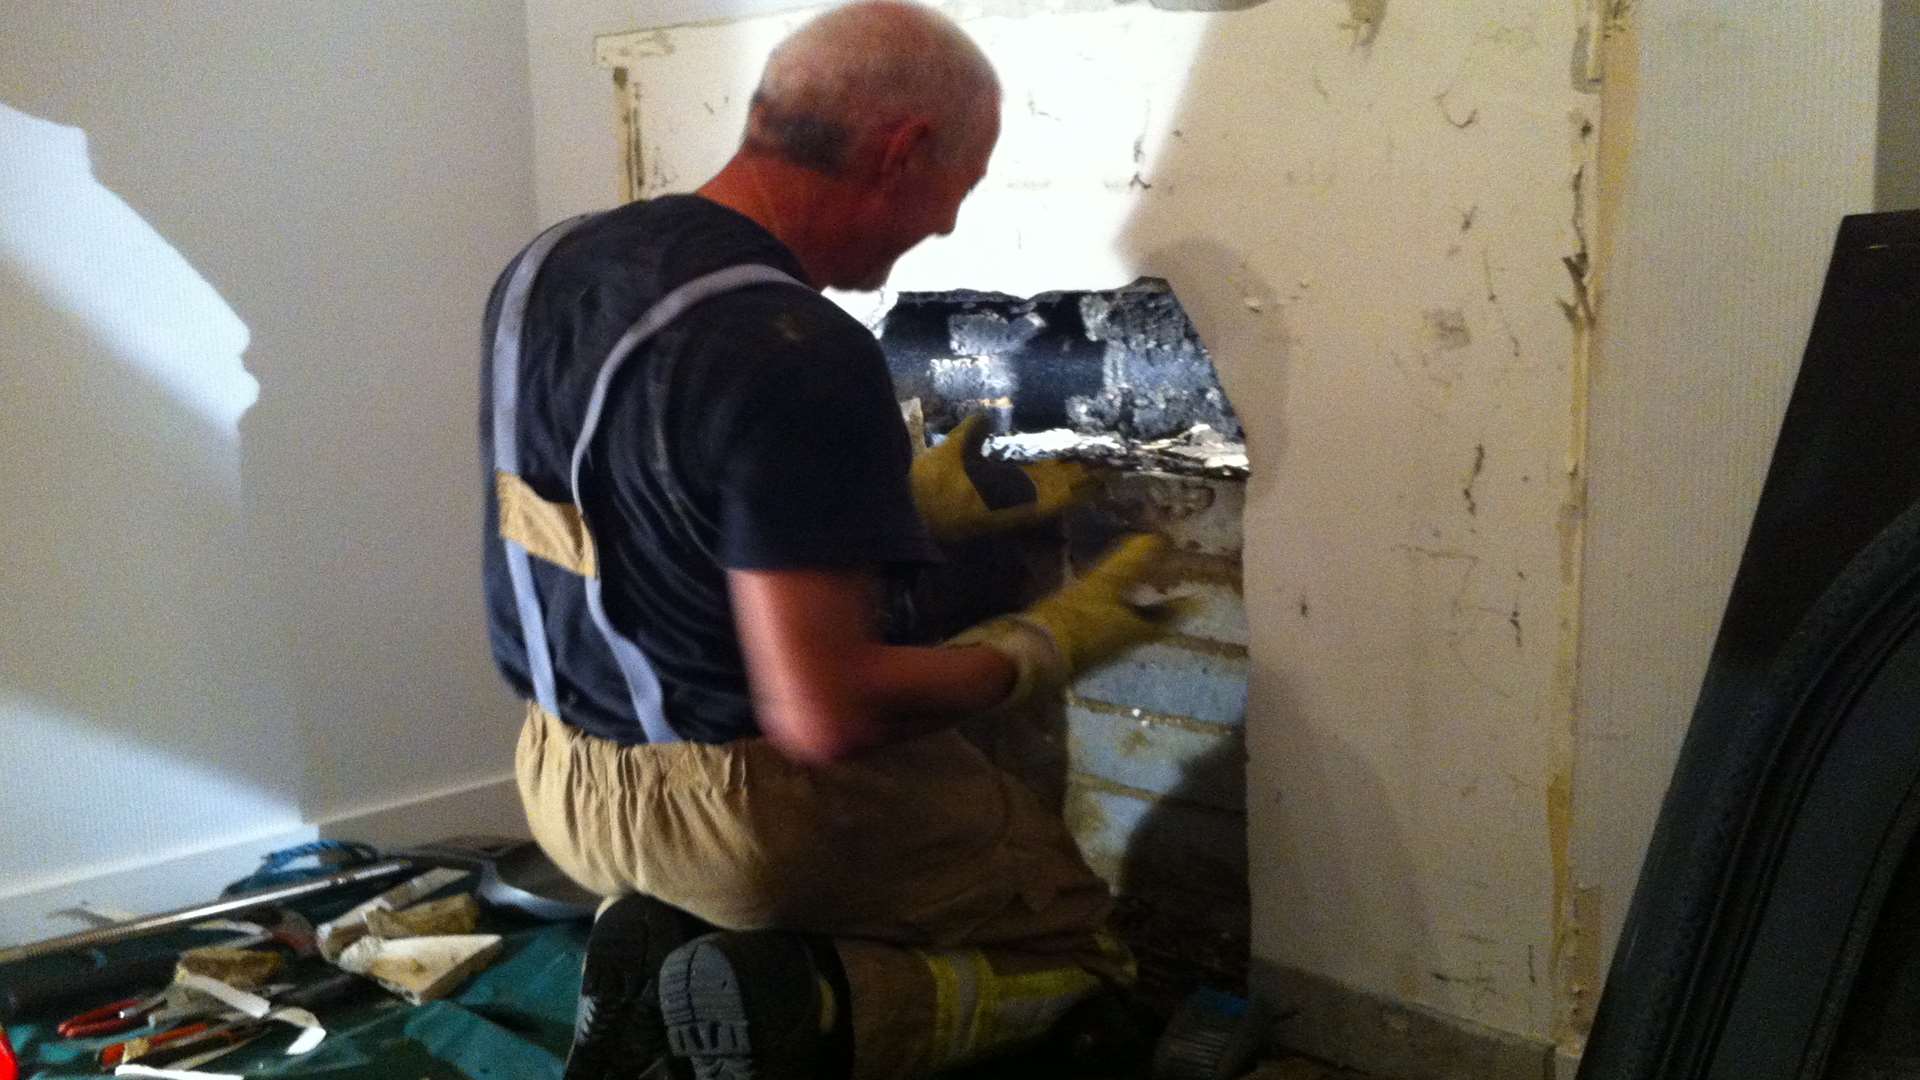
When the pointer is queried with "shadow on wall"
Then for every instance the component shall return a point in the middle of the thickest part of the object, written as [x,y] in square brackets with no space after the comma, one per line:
[310,163]
[1309,884]
[124,674]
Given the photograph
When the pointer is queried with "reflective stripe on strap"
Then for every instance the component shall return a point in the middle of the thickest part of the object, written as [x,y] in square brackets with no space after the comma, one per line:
[507,331]
[531,524]
[643,686]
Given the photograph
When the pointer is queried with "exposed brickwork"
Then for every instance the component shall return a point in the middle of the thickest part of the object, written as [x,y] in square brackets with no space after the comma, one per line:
[1155,785]
[1156,845]
[1192,762]
[1175,680]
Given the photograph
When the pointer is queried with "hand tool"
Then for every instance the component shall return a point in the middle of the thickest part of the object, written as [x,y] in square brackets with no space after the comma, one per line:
[122,1015]
[195,1058]
[41,992]
[47,991]
[200,1007]
[9,1062]
[187,916]
[131,1049]
[513,872]
[288,928]
[333,988]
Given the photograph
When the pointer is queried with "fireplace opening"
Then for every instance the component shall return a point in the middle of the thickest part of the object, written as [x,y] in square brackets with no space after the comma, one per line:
[1144,757]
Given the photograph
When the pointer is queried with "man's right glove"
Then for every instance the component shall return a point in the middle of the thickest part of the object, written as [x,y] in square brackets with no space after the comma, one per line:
[962,493]
[1080,626]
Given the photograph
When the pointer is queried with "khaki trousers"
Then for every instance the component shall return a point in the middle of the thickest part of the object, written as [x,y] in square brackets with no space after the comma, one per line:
[964,915]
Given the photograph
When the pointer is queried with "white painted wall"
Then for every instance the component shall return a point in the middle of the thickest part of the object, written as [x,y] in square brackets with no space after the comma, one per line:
[573,101]
[1379,285]
[1897,168]
[227,626]
[1749,133]
[1310,213]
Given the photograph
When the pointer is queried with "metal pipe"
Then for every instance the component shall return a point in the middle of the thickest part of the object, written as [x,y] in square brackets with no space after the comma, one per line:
[187,916]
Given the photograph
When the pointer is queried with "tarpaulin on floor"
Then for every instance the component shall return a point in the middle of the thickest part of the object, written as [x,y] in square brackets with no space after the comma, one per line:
[512,1021]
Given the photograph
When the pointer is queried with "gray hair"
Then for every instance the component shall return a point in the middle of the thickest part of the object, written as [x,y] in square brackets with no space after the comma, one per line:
[851,73]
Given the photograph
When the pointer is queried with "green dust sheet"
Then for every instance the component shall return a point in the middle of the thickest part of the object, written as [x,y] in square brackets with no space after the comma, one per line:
[510,1022]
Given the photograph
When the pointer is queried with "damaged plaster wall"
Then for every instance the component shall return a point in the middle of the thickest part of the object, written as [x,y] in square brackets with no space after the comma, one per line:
[1736,138]
[1365,208]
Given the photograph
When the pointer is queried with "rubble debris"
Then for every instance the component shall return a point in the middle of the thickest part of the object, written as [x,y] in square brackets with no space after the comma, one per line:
[450,915]
[915,418]
[1124,362]
[421,969]
[247,969]
[1198,451]
[337,935]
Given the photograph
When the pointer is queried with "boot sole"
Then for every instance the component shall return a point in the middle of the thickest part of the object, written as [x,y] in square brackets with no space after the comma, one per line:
[632,955]
[705,1015]
[709,1019]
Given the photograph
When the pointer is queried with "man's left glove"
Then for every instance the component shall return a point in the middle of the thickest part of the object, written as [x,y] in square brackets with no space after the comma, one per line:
[961,493]
[1082,625]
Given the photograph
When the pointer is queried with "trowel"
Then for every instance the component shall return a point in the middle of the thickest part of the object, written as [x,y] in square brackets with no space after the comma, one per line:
[513,872]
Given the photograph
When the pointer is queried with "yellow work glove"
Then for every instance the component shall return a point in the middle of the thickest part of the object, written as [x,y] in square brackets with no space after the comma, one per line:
[1080,626]
[962,493]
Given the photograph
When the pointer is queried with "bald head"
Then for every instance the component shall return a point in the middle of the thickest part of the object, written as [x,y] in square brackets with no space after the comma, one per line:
[857,72]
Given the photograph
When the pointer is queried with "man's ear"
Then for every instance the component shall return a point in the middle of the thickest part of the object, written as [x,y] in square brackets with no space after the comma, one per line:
[902,146]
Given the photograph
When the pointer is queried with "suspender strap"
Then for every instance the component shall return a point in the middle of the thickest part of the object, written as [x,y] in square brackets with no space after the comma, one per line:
[643,685]
[507,332]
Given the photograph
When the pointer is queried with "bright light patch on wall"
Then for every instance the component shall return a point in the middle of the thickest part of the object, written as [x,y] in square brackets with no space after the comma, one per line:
[144,774]
[89,255]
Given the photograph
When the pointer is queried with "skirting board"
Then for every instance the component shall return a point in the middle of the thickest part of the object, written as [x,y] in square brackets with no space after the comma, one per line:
[491,807]
[1323,1019]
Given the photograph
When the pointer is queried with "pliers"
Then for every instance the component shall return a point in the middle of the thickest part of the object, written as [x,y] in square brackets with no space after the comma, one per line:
[123,1015]
[9,1061]
[121,1053]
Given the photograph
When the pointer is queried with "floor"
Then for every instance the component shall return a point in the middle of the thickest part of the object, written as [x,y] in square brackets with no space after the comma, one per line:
[1299,1068]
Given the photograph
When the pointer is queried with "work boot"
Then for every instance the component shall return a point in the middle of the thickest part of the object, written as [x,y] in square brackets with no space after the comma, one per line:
[617,1033]
[748,1005]
[1109,1035]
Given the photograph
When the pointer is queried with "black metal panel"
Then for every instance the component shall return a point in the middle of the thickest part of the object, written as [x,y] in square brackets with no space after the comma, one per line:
[1848,457]
[1742,934]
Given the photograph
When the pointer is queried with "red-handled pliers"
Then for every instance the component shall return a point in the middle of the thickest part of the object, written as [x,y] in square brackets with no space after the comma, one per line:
[123,1015]
[9,1063]
[122,1052]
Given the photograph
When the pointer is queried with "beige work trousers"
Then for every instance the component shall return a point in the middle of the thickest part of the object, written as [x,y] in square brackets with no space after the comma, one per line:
[962,910]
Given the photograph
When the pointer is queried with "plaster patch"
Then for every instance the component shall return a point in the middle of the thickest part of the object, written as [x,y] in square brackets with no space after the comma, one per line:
[1364,18]
[622,50]
[1446,328]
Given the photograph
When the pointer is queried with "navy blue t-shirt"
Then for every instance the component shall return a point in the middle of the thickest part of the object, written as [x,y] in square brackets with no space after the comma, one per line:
[758,431]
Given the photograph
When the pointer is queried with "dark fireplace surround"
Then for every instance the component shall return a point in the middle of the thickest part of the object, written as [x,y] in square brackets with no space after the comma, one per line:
[1775,930]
